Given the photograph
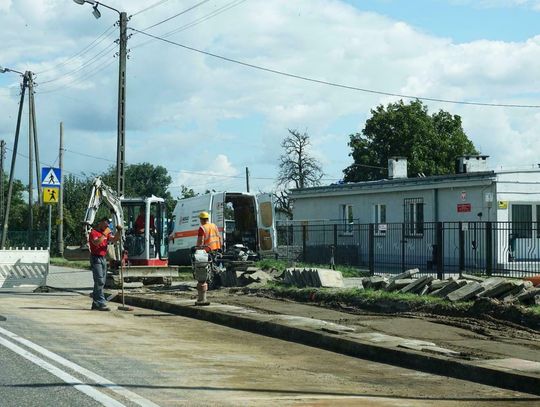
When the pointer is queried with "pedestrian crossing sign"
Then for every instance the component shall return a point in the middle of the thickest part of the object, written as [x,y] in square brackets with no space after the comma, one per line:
[50,177]
[50,195]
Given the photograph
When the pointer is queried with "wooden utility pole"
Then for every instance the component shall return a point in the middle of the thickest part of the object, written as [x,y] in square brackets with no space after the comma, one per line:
[247,179]
[61,194]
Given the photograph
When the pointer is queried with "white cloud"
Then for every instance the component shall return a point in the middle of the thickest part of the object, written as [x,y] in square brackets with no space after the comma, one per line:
[179,100]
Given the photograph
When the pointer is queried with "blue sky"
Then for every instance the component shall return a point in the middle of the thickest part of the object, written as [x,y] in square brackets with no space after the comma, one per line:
[462,21]
[206,120]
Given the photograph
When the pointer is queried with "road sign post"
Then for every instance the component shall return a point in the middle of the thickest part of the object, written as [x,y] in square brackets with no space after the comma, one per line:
[50,183]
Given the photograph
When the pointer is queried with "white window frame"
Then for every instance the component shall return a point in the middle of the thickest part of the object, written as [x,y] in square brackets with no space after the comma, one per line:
[347,217]
[412,224]
[379,218]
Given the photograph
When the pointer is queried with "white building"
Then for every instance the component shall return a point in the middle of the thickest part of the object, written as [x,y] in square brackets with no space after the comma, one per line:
[473,196]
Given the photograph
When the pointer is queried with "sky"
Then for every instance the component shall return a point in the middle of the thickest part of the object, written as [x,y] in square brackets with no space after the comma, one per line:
[206,119]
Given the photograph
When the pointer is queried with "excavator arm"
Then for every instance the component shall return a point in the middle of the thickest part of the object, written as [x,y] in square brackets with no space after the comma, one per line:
[102,194]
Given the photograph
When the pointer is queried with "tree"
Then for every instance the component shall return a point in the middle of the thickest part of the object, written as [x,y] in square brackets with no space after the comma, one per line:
[143,180]
[296,165]
[186,192]
[296,168]
[431,143]
[75,197]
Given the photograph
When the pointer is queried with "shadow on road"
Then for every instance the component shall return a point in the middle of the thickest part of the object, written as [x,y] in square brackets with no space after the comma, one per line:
[299,392]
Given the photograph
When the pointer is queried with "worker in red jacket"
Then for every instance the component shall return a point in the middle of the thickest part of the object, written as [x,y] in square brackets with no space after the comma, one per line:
[99,238]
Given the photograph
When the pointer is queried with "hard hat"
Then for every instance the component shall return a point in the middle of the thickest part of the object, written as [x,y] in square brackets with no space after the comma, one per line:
[204,215]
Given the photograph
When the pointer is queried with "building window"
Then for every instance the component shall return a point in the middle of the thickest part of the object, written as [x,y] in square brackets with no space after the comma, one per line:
[522,221]
[379,218]
[347,218]
[414,216]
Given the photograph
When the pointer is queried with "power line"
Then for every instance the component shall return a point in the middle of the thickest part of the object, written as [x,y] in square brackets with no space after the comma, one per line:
[67,85]
[178,14]
[334,84]
[149,7]
[86,49]
[195,22]
[100,55]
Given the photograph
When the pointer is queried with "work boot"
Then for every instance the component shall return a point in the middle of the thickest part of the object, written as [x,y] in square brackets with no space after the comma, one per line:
[104,308]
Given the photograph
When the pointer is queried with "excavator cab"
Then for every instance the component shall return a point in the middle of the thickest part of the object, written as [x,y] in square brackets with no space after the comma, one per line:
[146,231]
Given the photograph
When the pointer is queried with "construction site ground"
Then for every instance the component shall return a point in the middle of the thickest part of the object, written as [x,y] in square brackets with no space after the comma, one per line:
[476,349]
[472,337]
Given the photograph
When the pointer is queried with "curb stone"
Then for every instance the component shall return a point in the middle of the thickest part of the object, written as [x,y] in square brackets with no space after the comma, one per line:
[346,343]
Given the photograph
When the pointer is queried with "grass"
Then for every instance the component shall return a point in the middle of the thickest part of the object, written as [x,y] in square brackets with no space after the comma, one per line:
[78,264]
[351,296]
[281,265]
[535,309]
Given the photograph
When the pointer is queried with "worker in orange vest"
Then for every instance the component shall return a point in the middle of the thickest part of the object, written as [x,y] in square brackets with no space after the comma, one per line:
[208,234]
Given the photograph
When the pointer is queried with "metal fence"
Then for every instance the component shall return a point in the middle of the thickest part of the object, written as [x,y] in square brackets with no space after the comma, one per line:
[441,248]
[21,239]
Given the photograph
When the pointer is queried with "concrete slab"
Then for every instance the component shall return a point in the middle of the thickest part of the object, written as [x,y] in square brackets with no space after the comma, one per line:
[466,292]
[520,365]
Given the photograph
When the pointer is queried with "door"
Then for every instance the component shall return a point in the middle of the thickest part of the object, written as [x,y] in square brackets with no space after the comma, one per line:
[217,214]
[162,232]
[265,223]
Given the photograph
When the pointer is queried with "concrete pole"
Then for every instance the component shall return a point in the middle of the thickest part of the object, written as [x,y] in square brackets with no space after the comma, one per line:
[36,144]
[121,130]
[247,179]
[2,154]
[13,160]
[30,165]
[61,194]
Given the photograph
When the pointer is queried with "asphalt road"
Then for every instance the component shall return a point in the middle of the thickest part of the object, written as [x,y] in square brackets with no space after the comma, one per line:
[54,351]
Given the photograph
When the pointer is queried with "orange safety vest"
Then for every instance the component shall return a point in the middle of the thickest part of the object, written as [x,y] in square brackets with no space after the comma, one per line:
[211,236]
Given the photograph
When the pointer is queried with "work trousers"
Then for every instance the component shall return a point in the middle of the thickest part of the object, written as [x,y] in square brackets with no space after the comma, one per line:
[99,273]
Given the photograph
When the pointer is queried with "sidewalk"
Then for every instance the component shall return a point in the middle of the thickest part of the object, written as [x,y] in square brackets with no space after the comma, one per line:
[509,360]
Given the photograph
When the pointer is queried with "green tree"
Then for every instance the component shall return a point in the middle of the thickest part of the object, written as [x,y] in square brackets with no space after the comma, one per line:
[431,143]
[18,212]
[76,196]
[143,180]
[186,192]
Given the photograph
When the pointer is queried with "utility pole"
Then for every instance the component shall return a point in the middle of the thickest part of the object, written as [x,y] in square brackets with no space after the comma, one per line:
[61,194]
[28,82]
[13,160]
[30,164]
[247,179]
[2,157]
[121,132]
[122,57]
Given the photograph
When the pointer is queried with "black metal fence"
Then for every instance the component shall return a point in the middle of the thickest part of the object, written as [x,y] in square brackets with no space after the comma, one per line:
[493,248]
[21,239]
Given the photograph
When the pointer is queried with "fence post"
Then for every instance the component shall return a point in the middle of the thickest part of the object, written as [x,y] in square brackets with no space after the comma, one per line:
[461,249]
[440,251]
[371,249]
[403,241]
[489,248]
[304,238]
[335,240]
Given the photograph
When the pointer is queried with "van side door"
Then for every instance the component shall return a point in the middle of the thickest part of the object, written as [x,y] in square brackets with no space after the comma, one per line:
[265,223]
[217,216]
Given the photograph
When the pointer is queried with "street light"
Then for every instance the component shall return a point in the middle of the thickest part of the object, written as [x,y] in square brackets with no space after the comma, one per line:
[4,70]
[121,122]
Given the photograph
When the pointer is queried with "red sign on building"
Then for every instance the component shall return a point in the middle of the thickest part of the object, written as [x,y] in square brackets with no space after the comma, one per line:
[464,207]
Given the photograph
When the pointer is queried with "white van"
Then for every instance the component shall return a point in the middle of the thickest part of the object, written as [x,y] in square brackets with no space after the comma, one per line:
[240,217]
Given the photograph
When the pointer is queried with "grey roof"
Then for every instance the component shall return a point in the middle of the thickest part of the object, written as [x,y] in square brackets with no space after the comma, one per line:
[384,183]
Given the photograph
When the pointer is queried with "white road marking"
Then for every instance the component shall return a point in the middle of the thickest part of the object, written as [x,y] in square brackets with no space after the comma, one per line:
[134,397]
[66,377]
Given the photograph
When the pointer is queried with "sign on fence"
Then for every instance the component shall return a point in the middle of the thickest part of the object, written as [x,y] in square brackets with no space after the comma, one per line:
[20,267]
